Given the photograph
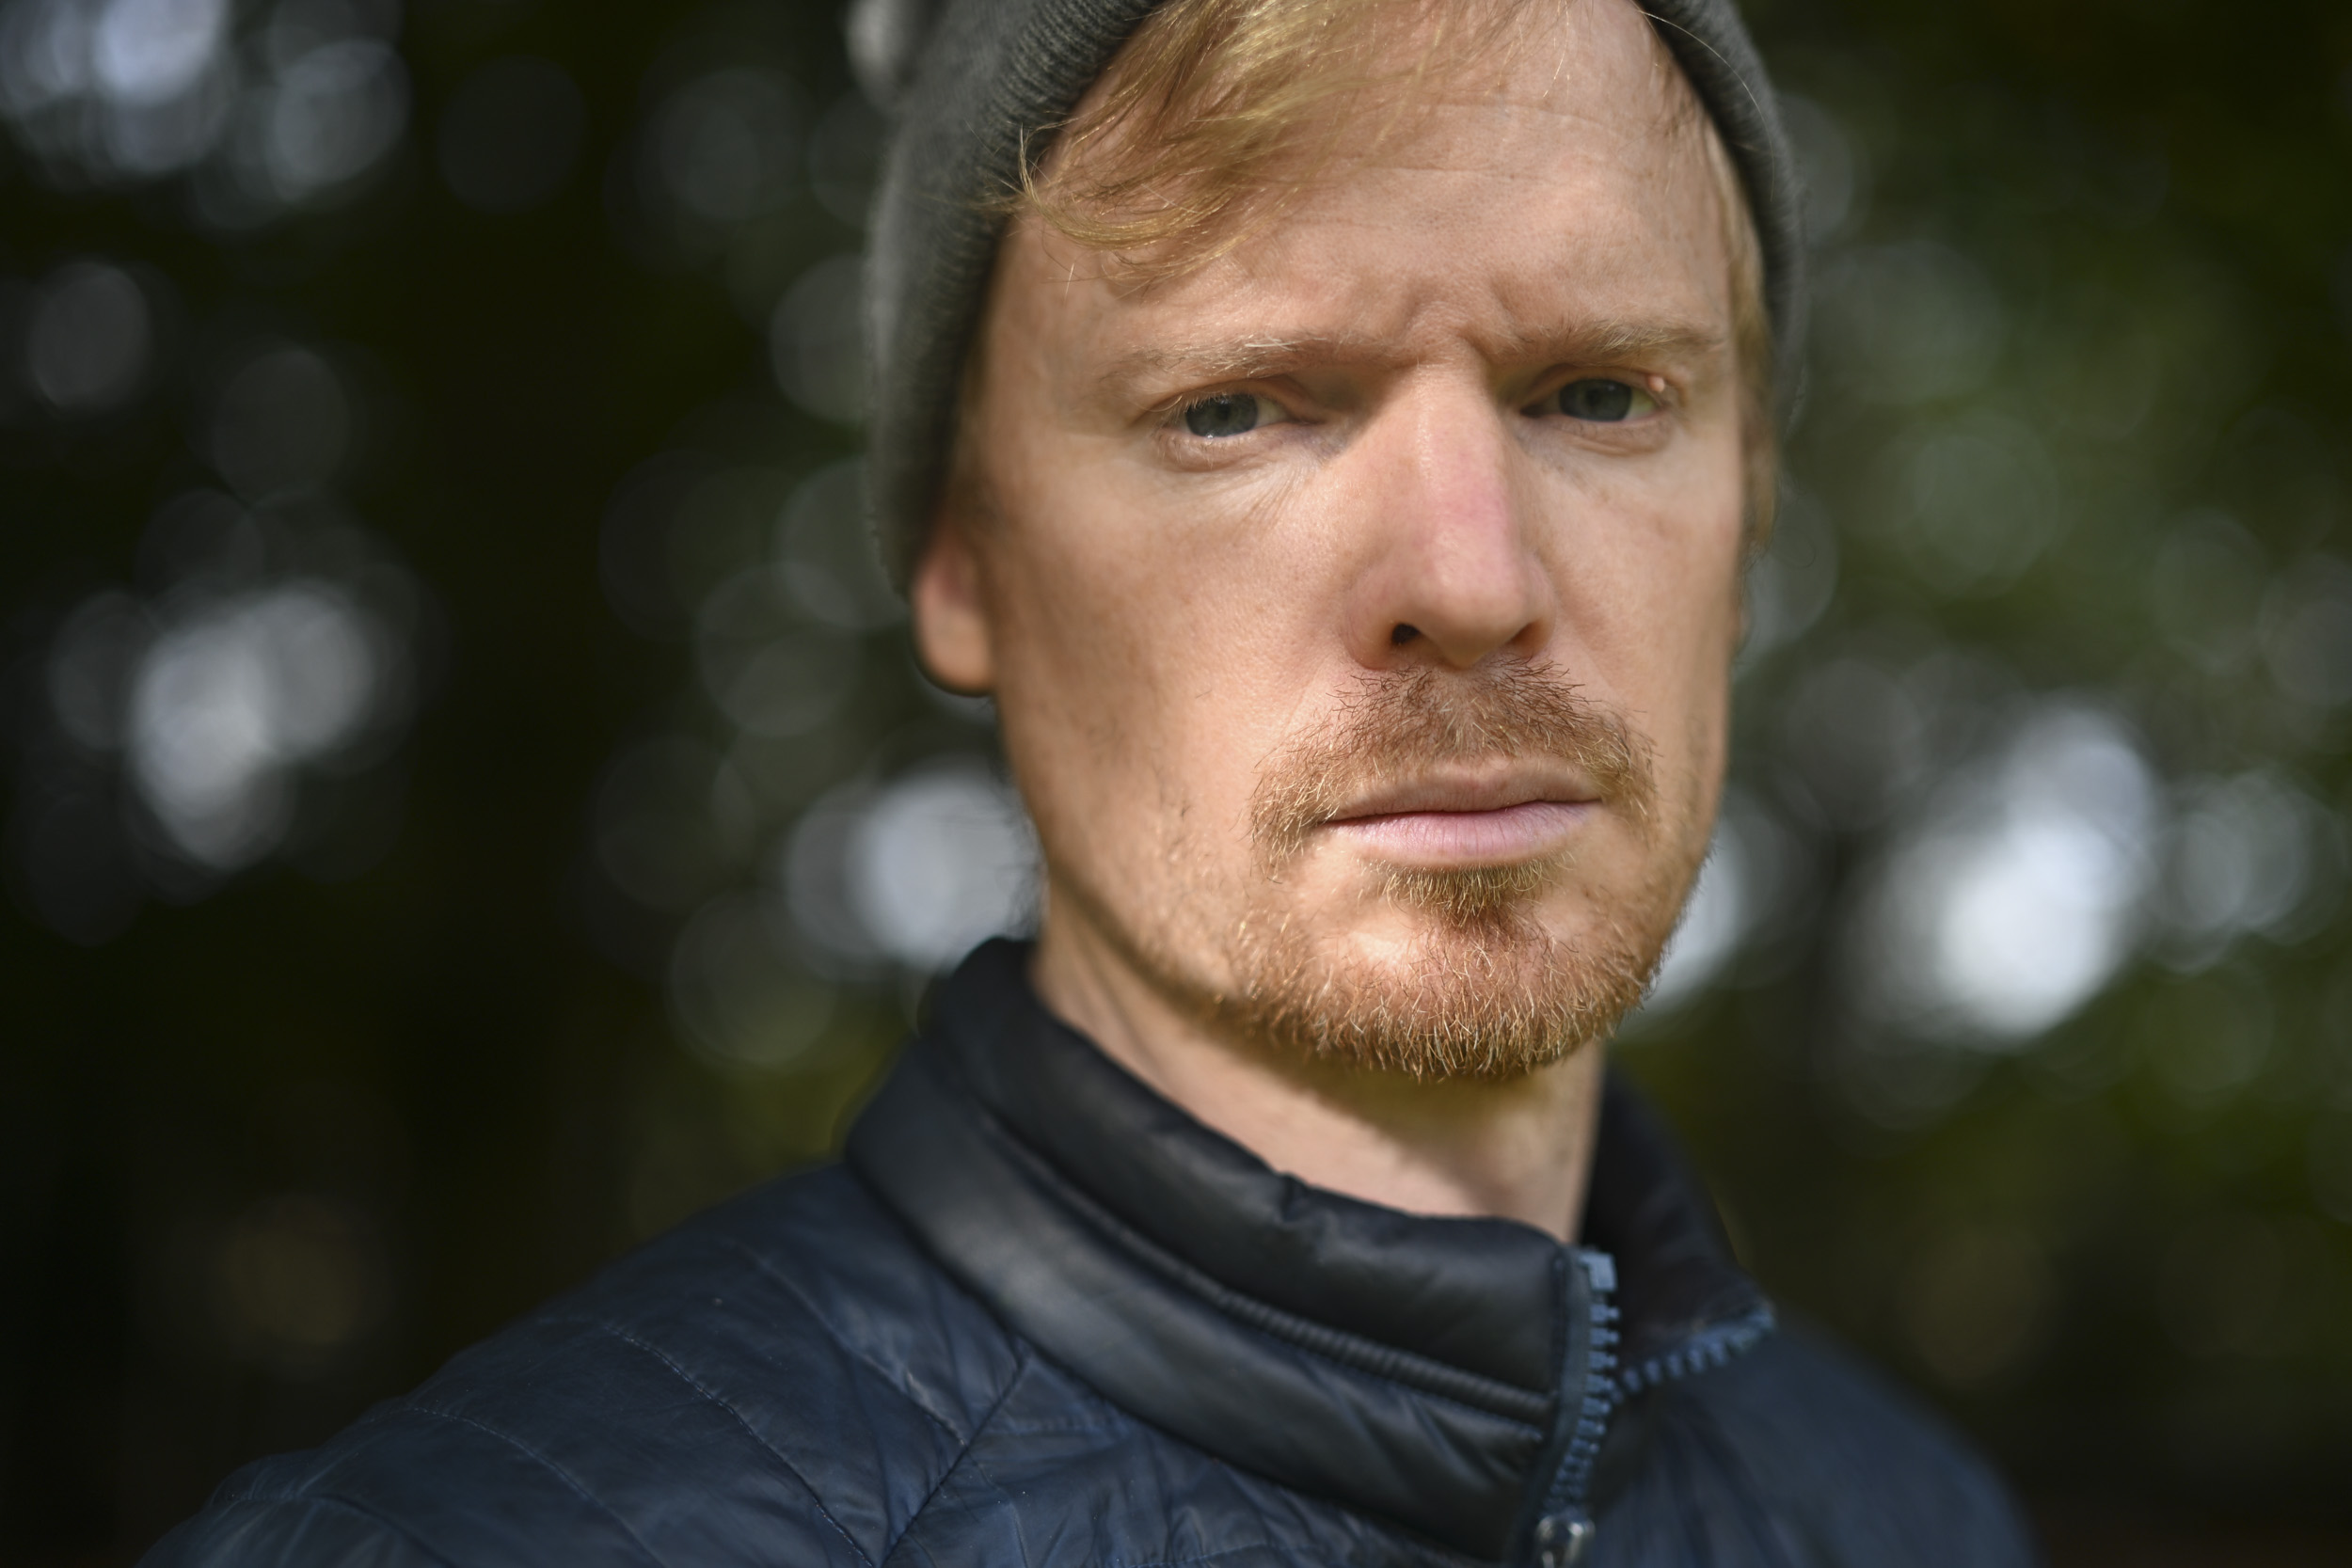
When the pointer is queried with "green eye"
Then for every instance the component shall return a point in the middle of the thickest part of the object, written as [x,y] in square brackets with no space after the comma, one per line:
[1601,401]
[1225,414]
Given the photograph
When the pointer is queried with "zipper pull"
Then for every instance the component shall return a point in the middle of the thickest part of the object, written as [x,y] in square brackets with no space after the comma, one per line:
[1562,1539]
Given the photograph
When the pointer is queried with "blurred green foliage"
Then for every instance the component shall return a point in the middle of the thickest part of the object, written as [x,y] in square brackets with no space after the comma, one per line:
[473,804]
[2077,432]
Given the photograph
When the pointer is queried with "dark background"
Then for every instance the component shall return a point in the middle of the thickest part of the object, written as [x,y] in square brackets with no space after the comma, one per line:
[472,806]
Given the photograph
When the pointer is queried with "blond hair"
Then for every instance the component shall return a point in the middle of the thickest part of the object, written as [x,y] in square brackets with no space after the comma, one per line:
[1215,111]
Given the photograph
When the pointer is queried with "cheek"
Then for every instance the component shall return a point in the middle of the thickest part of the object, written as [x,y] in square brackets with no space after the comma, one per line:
[1156,655]
[1119,593]
[1649,587]
[1106,639]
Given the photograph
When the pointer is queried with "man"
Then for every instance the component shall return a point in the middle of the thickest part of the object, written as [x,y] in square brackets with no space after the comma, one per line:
[1332,430]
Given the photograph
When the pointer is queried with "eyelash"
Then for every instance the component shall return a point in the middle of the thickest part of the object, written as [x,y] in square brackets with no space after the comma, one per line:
[1558,400]
[1214,408]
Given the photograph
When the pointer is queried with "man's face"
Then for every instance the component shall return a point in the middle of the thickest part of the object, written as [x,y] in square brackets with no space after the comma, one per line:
[1359,605]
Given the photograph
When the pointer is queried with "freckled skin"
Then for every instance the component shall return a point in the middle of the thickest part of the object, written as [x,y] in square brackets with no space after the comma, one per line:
[1159,614]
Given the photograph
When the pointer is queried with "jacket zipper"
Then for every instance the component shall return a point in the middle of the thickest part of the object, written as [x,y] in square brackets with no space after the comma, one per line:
[1564,1529]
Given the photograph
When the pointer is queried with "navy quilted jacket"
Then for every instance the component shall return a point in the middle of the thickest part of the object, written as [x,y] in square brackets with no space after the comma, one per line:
[1040,1316]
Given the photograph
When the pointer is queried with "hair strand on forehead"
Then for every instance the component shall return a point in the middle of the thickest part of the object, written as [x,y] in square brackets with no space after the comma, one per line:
[1214,107]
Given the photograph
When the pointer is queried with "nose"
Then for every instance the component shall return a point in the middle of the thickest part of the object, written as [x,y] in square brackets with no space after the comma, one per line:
[1445,545]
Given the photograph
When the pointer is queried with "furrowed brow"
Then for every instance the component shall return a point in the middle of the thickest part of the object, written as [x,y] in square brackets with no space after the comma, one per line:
[1616,343]
[1603,342]
[1248,359]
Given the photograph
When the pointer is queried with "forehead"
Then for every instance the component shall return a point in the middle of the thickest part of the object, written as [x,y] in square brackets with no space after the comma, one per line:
[1558,176]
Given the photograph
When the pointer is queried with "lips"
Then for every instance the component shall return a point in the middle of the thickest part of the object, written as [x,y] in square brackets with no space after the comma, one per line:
[1466,823]
[1464,840]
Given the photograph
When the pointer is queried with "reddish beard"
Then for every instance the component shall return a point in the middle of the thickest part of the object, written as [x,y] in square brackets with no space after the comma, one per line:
[1482,989]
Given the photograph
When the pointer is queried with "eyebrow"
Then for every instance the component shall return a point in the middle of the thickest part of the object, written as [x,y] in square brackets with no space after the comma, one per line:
[1247,360]
[1598,343]
[1610,341]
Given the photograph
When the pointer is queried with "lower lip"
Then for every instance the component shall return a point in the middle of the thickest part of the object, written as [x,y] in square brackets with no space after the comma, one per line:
[1464,839]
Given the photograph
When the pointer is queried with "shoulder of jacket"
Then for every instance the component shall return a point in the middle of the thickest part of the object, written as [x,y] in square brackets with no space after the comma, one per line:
[315,1533]
[785,1377]
[1831,1457]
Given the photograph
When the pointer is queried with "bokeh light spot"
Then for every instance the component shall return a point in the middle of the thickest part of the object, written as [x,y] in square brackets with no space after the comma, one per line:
[826,549]
[332,116]
[726,146]
[147,51]
[231,697]
[1907,323]
[817,343]
[942,859]
[90,337]
[280,420]
[297,1280]
[2017,895]
[739,993]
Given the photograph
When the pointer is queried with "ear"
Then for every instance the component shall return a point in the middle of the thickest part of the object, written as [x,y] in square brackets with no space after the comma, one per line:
[953,636]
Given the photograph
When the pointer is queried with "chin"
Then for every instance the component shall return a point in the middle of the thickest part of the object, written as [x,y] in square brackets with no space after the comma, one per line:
[1484,974]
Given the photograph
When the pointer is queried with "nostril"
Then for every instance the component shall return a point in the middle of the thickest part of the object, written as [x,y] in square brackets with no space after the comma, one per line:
[1403,634]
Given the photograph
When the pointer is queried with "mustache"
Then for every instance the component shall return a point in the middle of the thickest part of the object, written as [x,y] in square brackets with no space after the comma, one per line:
[1396,726]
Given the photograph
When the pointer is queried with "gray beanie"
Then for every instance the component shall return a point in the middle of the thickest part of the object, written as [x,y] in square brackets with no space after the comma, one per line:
[970,81]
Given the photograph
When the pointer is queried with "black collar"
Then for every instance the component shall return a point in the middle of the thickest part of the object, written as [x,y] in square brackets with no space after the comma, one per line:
[1447,1374]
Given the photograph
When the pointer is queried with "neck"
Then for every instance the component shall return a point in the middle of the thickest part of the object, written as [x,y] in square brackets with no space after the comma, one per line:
[1520,1149]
